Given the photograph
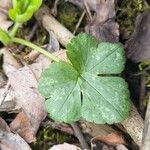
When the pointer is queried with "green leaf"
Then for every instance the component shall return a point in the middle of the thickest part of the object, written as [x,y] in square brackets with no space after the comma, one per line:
[90,88]
[105,99]
[87,55]
[80,49]
[59,85]
[23,10]
[4,37]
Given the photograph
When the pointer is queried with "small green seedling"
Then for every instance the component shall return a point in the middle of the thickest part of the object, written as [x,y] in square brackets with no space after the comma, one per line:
[23,10]
[89,87]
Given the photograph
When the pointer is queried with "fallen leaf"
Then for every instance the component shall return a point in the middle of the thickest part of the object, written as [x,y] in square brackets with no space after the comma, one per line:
[92,4]
[65,146]
[24,84]
[96,130]
[110,139]
[8,98]
[53,45]
[103,25]
[10,64]
[3,125]
[25,90]
[138,47]
[10,141]
[4,22]
[22,125]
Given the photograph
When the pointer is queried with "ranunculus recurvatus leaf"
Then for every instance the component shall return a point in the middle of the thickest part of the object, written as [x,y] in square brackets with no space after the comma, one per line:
[89,88]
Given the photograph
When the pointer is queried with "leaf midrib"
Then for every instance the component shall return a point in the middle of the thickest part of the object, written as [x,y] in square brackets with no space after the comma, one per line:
[69,94]
[101,95]
[100,61]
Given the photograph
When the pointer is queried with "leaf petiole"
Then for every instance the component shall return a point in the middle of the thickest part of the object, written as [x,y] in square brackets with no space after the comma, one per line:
[14,29]
[35,47]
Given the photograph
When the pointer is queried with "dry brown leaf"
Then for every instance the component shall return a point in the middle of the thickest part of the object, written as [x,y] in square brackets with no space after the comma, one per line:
[110,139]
[3,125]
[96,130]
[4,22]
[53,45]
[103,25]
[22,125]
[9,62]
[10,141]
[65,146]
[7,102]
[24,84]
[92,4]
[138,47]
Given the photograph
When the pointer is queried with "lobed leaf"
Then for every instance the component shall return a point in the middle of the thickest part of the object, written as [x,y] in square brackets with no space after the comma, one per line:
[87,89]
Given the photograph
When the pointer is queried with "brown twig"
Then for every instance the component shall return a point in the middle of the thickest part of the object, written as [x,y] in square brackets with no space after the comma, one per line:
[63,35]
[59,126]
[54,9]
[87,10]
[134,125]
[79,22]
[146,132]
[80,137]
[29,37]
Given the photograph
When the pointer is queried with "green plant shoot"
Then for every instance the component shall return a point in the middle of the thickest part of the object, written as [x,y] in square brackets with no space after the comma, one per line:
[23,10]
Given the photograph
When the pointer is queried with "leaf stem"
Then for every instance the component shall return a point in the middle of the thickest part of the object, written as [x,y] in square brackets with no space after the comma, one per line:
[35,47]
[14,29]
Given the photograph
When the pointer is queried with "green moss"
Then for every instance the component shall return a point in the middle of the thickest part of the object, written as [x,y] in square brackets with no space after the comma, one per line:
[127,11]
[48,137]
[68,15]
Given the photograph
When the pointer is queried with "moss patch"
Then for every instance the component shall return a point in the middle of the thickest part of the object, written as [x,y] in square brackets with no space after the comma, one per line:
[127,11]
[47,137]
[68,14]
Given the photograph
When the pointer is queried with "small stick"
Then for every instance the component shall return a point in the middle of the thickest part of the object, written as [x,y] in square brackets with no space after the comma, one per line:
[80,136]
[146,133]
[79,22]
[29,37]
[59,126]
[134,125]
[87,10]
[54,9]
